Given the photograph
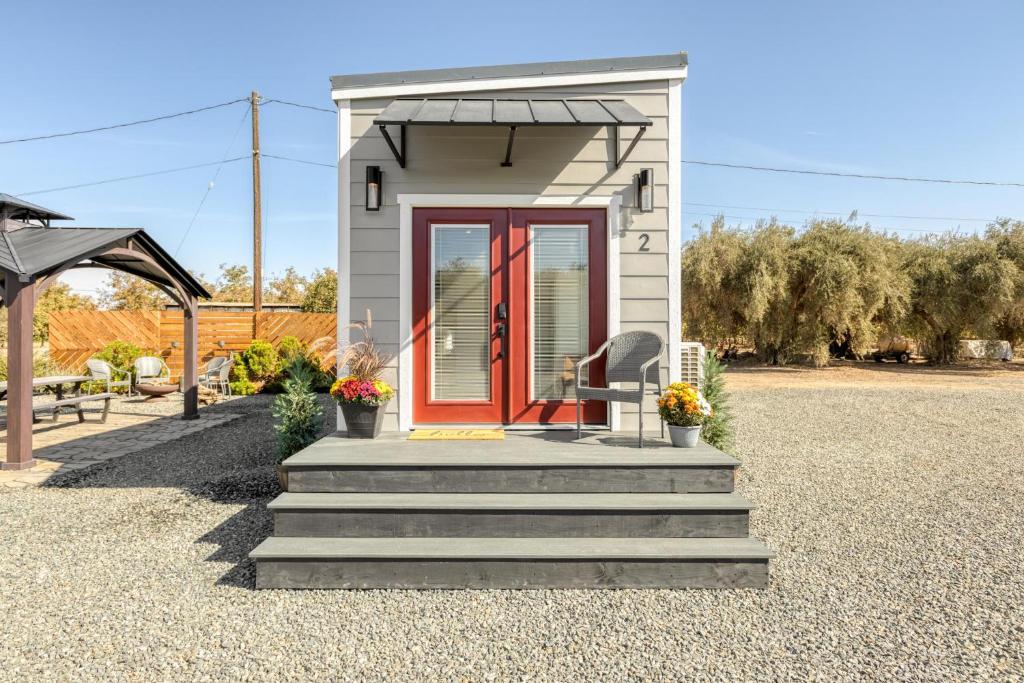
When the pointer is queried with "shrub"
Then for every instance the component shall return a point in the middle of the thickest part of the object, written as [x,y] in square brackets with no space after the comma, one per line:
[120,354]
[239,381]
[717,429]
[260,360]
[299,417]
[289,347]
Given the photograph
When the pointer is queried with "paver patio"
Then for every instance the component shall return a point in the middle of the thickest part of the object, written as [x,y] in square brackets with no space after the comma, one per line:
[132,426]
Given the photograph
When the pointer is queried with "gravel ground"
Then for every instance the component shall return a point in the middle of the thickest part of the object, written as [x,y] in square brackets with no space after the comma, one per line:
[897,517]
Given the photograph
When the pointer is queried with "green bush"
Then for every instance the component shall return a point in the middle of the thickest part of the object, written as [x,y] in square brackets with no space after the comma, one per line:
[289,347]
[299,416]
[239,380]
[121,355]
[261,361]
[718,429]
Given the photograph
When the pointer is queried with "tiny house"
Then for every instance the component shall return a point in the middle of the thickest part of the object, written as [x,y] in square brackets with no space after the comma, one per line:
[501,222]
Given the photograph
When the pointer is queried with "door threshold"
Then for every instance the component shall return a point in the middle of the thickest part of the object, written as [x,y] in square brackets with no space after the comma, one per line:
[509,427]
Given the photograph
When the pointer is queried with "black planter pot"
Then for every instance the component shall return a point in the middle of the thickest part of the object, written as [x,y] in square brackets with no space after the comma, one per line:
[362,422]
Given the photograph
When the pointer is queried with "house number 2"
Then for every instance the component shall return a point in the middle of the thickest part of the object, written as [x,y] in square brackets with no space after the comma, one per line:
[644,239]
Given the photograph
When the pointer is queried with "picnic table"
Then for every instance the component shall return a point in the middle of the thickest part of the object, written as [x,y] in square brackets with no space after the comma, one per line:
[57,381]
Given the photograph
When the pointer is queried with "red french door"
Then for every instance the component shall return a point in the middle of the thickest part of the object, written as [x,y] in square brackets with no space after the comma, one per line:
[505,302]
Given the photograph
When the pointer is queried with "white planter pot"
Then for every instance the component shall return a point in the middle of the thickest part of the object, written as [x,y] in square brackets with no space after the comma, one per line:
[684,437]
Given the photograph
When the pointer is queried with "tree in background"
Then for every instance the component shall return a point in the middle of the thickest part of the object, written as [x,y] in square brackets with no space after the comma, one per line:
[766,284]
[125,292]
[234,284]
[714,300]
[321,294]
[961,286]
[57,297]
[288,288]
[844,279]
[1008,237]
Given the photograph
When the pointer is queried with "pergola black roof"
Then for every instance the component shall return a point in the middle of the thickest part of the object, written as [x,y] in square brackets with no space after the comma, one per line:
[20,210]
[33,252]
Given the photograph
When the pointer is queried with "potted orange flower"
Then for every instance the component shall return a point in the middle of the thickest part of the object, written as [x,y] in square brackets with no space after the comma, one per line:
[684,410]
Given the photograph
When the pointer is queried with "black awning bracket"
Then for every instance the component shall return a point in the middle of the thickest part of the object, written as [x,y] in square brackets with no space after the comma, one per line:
[615,136]
[399,156]
[508,150]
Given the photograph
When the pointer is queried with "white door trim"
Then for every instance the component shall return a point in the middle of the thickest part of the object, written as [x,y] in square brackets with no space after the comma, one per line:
[407,202]
[344,232]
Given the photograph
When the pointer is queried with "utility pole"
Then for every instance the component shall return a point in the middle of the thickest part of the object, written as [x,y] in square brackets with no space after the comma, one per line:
[257,227]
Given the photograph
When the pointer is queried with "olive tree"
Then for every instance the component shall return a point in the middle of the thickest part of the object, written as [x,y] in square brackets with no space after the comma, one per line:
[1008,237]
[960,286]
[844,280]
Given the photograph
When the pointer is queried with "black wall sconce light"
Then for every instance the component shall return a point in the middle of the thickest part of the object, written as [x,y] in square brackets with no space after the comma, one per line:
[174,344]
[644,182]
[221,344]
[374,187]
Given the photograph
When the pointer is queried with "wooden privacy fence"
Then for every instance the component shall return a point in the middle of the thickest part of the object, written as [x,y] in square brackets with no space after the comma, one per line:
[76,335]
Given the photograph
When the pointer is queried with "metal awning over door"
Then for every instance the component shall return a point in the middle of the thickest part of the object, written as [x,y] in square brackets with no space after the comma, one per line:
[511,113]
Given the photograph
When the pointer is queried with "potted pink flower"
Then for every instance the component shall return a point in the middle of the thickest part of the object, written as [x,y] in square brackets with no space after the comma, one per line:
[362,403]
[362,395]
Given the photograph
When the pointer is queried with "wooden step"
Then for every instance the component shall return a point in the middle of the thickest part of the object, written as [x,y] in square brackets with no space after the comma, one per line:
[550,463]
[517,515]
[511,563]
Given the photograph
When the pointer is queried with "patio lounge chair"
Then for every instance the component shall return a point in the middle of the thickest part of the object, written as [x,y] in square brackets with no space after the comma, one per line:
[631,357]
[102,371]
[151,370]
[217,374]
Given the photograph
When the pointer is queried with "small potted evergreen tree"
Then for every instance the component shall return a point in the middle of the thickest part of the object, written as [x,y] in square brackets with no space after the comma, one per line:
[299,417]
[684,410]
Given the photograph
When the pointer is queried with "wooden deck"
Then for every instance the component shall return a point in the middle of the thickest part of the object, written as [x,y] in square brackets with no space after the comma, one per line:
[538,509]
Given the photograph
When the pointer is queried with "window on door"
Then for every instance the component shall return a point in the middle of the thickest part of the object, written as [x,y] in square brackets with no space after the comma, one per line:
[560,293]
[461,301]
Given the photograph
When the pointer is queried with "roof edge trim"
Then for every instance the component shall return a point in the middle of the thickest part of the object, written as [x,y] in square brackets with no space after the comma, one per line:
[545,74]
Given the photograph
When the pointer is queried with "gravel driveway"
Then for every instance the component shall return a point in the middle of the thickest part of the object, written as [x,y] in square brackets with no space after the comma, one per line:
[897,517]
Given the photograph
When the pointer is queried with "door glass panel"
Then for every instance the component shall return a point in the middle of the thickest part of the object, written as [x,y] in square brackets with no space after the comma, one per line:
[461,277]
[561,308]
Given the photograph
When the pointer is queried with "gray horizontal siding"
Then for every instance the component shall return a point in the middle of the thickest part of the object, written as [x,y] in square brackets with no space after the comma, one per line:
[565,161]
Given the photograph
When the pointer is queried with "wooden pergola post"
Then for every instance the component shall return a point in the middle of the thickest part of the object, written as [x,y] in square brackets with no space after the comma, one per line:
[20,299]
[190,379]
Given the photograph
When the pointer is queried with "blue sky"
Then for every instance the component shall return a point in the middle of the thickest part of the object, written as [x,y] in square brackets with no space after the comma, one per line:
[910,88]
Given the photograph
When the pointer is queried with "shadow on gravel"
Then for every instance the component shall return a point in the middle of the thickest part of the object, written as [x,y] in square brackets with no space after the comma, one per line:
[230,464]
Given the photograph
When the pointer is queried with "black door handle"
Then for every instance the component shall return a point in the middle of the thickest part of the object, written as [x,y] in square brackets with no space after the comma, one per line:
[502,333]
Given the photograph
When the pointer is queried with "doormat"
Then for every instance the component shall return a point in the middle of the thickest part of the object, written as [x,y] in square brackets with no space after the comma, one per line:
[458,435]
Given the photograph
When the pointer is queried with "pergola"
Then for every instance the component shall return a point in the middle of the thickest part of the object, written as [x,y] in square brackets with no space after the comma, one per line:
[33,254]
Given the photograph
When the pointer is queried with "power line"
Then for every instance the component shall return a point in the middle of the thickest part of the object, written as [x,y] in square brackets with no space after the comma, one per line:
[299,161]
[209,186]
[757,218]
[122,125]
[130,177]
[301,106]
[838,213]
[854,175]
